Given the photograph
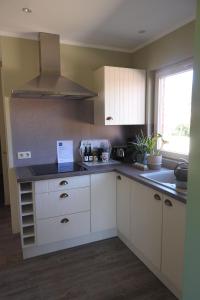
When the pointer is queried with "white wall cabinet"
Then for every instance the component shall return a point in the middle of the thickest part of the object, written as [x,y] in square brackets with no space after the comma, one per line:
[146,222]
[173,237]
[121,96]
[123,205]
[103,201]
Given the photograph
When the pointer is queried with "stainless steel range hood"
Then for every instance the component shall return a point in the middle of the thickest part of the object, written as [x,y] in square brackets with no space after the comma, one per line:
[50,83]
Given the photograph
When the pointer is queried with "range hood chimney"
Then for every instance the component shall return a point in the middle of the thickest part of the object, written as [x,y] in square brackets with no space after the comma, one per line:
[50,83]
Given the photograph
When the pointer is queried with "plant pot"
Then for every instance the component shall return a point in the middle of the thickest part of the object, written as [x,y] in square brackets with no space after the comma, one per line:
[142,158]
[154,162]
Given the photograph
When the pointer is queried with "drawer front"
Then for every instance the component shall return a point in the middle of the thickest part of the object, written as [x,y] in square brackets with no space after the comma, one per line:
[62,184]
[60,203]
[62,228]
[41,186]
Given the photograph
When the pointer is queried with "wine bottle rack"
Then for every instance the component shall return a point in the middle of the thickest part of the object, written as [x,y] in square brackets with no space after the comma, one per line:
[27,215]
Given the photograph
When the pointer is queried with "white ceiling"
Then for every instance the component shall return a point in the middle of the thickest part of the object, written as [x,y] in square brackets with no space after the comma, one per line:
[109,24]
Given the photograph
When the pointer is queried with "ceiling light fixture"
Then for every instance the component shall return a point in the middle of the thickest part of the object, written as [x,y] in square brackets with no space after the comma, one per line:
[26,10]
[142,31]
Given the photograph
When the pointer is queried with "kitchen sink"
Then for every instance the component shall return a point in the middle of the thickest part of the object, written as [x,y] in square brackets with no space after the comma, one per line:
[165,178]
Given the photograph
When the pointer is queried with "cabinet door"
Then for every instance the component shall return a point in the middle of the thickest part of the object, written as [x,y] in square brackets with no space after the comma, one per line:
[123,205]
[112,95]
[121,96]
[146,222]
[173,240]
[132,96]
[103,201]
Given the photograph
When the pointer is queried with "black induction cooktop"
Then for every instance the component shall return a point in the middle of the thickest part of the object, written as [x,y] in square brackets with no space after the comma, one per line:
[48,169]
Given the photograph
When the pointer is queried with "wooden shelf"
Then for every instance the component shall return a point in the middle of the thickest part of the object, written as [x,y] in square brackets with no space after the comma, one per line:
[25,187]
[26,198]
[27,214]
[27,220]
[28,231]
[28,241]
[27,209]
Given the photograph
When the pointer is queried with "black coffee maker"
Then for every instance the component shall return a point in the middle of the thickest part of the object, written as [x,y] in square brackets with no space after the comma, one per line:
[126,153]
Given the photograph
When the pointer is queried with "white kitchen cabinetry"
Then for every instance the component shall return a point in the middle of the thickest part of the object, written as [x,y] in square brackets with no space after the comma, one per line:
[123,205]
[121,96]
[173,237]
[103,201]
[54,204]
[61,213]
[27,216]
[63,227]
[62,208]
[146,222]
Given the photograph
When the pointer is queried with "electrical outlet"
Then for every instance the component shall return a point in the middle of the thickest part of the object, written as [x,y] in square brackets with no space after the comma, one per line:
[24,155]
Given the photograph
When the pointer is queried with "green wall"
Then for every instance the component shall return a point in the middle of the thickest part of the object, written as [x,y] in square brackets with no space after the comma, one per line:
[20,58]
[192,250]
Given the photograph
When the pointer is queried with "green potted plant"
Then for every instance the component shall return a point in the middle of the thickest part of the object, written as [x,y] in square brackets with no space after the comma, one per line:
[154,156]
[141,148]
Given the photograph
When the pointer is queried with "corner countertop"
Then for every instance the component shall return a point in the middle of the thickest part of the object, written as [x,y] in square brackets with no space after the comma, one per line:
[24,174]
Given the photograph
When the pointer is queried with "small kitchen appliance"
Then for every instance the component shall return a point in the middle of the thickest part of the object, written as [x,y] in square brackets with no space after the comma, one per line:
[181,174]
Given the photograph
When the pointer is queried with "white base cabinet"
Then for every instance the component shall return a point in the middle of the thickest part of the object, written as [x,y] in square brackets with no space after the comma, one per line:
[152,225]
[123,205]
[66,212]
[146,222]
[173,238]
[55,204]
[103,201]
[64,227]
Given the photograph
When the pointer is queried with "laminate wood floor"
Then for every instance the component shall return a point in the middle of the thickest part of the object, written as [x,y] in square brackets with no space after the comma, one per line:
[105,270]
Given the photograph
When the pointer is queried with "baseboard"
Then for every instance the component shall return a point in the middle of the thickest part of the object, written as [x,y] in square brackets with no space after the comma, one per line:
[150,266]
[56,246]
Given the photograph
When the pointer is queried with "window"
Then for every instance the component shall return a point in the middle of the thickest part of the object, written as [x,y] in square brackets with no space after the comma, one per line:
[173,108]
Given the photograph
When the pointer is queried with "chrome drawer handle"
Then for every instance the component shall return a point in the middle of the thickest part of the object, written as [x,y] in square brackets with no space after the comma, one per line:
[64,182]
[64,195]
[157,197]
[65,220]
[168,203]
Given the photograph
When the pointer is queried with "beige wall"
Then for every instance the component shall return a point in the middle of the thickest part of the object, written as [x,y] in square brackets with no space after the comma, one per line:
[172,48]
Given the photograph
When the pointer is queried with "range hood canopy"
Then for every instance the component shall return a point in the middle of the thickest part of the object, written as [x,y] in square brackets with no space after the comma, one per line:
[50,83]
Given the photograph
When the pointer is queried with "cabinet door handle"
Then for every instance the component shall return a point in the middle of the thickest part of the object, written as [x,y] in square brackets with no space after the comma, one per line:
[64,195]
[63,182]
[109,118]
[168,202]
[157,197]
[65,220]
[119,177]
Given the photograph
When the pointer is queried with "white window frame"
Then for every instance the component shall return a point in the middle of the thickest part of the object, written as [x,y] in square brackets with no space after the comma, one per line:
[173,69]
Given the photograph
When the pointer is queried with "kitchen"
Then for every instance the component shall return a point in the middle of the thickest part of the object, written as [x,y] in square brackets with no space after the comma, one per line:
[106,209]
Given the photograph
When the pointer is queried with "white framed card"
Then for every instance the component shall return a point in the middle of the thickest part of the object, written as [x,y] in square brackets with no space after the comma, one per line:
[65,151]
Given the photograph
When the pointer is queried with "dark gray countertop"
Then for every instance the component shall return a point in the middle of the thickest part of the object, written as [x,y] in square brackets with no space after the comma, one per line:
[24,174]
